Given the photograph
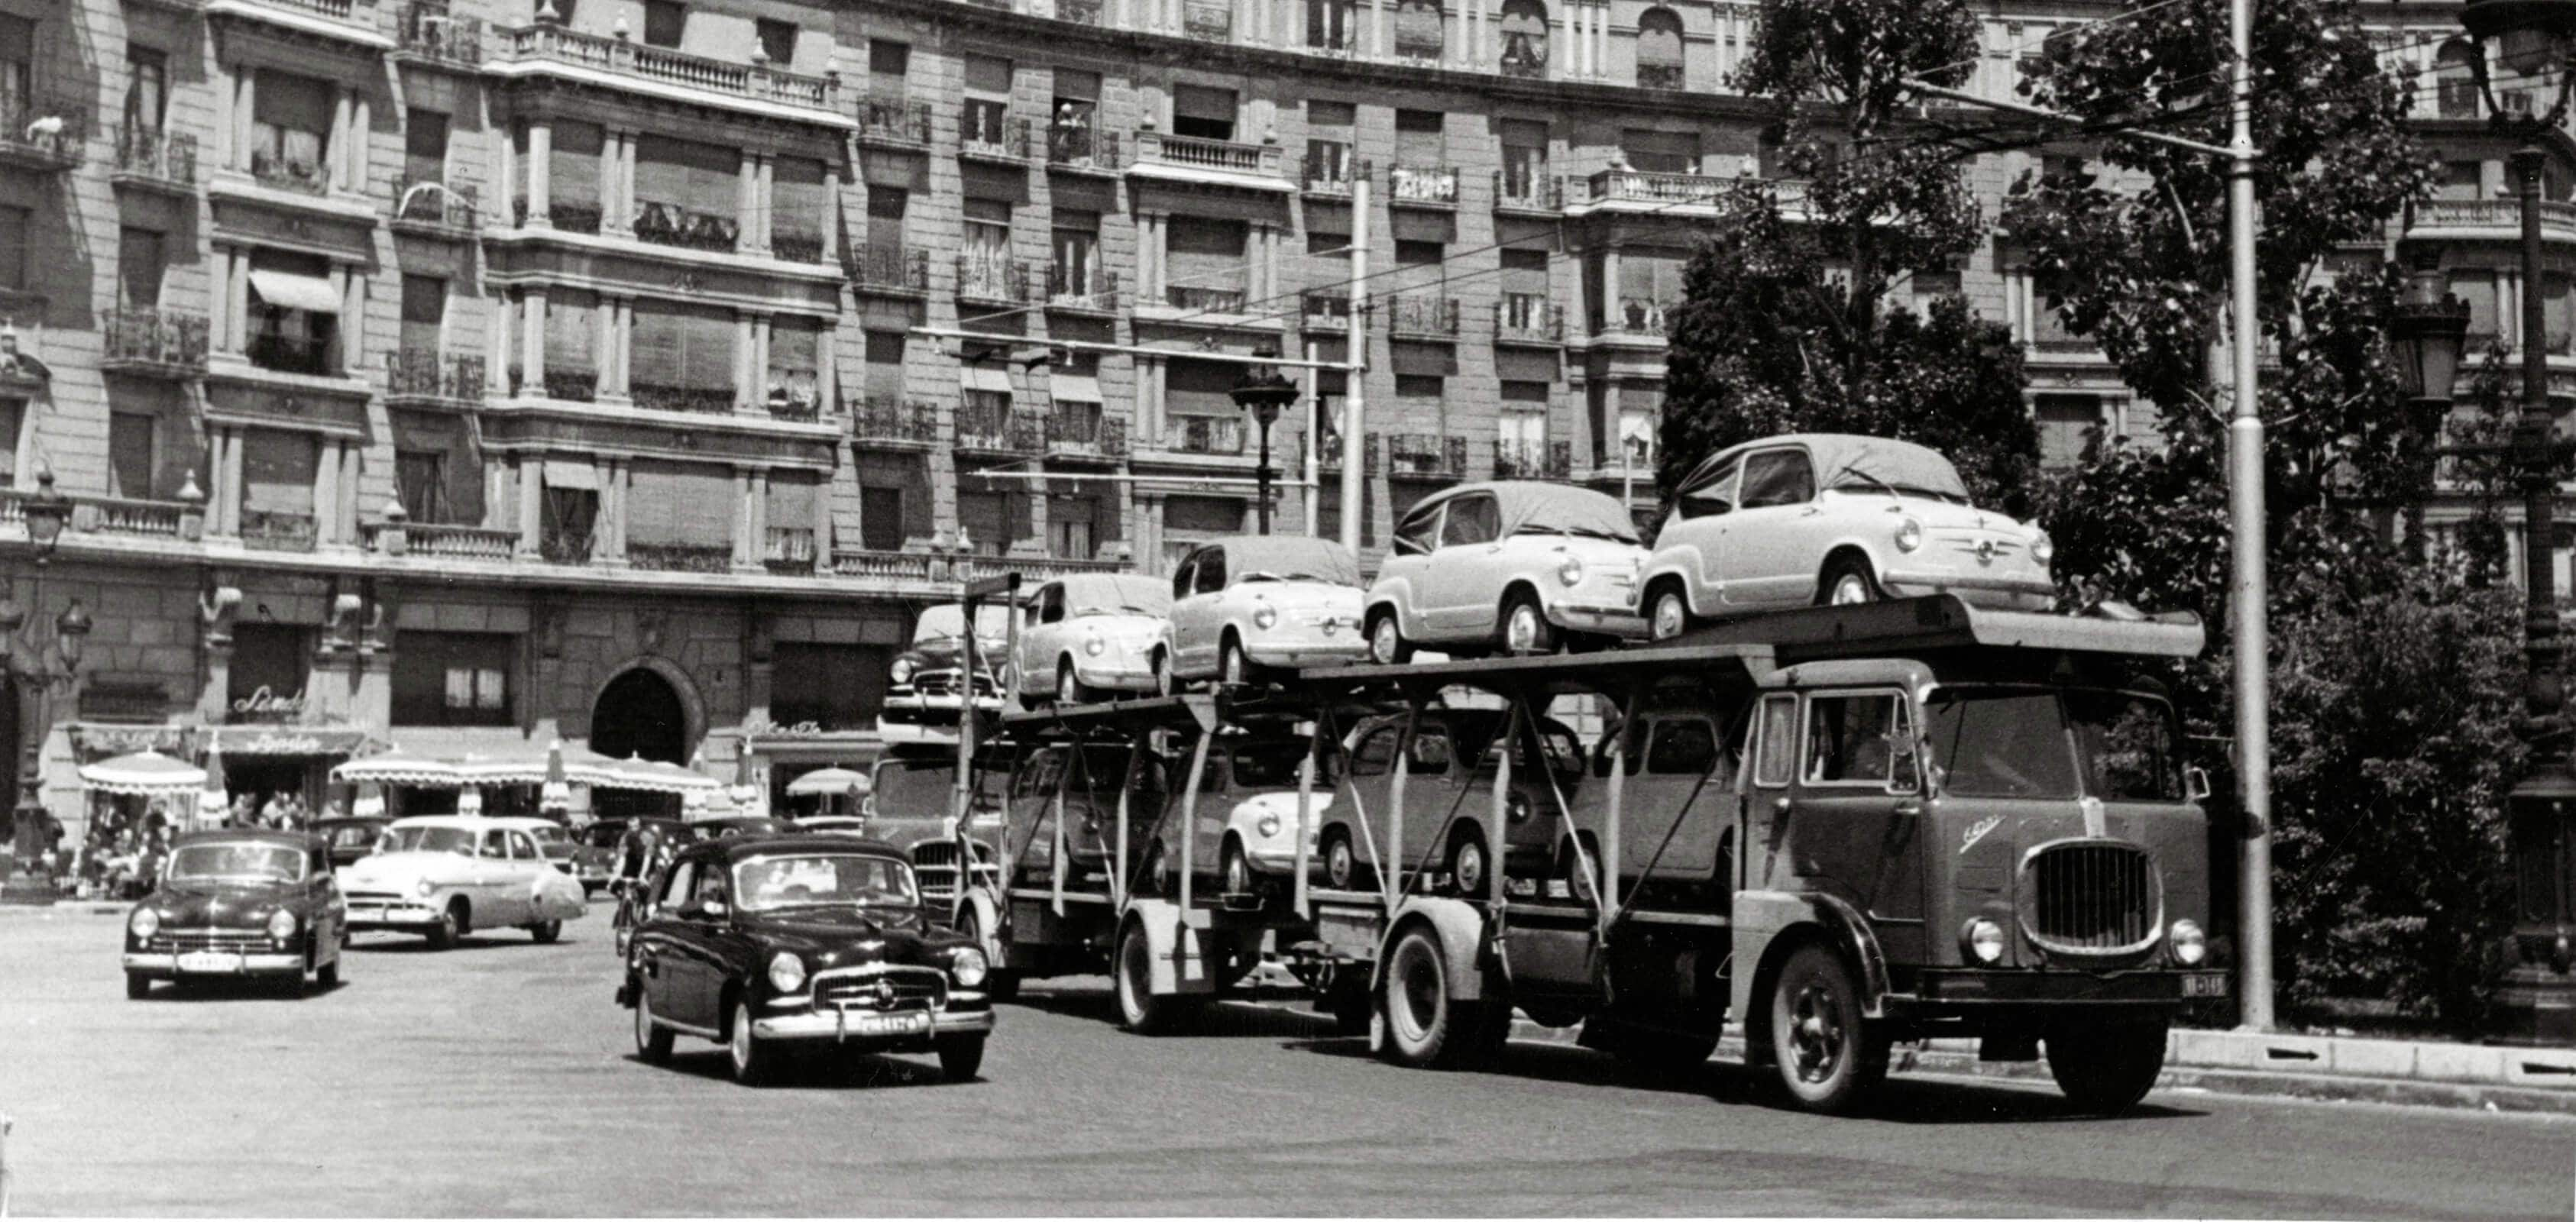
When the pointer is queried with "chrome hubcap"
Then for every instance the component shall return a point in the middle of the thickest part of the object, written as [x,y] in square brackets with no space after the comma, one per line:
[1668,616]
[1421,993]
[741,1036]
[1134,979]
[1471,868]
[1234,665]
[1523,634]
[643,1017]
[1849,589]
[1337,861]
[1383,642]
[1064,686]
[1816,1033]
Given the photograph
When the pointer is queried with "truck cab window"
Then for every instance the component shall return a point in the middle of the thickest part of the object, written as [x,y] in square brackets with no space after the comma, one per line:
[1779,740]
[2000,743]
[1857,739]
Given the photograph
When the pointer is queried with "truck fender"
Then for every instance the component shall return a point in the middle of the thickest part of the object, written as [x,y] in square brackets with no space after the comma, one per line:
[978,903]
[1764,921]
[1461,930]
[1180,953]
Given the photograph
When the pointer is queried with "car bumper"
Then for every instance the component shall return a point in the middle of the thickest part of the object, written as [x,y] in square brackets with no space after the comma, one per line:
[1970,988]
[1978,589]
[842,1026]
[1305,653]
[934,710]
[1617,619]
[1120,675]
[174,964]
[393,916]
[1276,858]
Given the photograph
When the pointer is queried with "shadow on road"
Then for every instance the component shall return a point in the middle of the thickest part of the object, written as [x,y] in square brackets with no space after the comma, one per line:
[1226,1017]
[237,988]
[814,1070]
[402,944]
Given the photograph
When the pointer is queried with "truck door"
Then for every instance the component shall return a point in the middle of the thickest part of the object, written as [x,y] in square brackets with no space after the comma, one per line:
[1856,790]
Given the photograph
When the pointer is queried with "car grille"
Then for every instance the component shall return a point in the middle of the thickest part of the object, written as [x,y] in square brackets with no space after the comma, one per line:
[209,939]
[945,683]
[2091,897]
[881,989]
[374,897]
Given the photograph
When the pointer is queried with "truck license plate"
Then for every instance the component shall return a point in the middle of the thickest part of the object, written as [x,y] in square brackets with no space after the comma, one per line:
[210,961]
[889,1024]
[2205,984]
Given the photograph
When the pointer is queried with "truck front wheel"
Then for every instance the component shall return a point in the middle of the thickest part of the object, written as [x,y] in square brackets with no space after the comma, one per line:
[1830,1056]
[2106,1067]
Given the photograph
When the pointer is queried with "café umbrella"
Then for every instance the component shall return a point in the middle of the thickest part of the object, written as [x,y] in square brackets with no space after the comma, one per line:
[394,768]
[830,782]
[143,774]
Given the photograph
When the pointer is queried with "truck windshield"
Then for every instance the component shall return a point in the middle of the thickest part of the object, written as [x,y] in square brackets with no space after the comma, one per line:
[2032,743]
[914,790]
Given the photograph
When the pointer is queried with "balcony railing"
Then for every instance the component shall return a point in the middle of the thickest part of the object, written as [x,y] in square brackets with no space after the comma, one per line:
[1000,432]
[1328,452]
[1423,184]
[700,400]
[1203,434]
[552,43]
[796,247]
[341,10]
[431,32]
[894,120]
[895,269]
[1079,12]
[558,546]
[432,203]
[1082,146]
[788,549]
[1326,311]
[1524,60]
[1528,318]
[1529,189]
[452,542]
[1656,187]
[987,277]
[2504,216]
[1661,76]
[1422,314]
[668,224]
[292,354]
[1426,454]
[884,419]
[1009,141]
[1515,458]
[913,566]
[167,160]
[117,515]
[681,557]
[570,383]
[1085,433]
[1203,299]
[794,394]
[1202,153]
[155,340]
[289,174]
[1635,316]
[1331,176]
[270,530]
[42,133]
[1096,290]
[566,215]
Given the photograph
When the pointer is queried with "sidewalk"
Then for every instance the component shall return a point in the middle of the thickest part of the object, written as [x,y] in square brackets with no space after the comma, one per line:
[2414,1073]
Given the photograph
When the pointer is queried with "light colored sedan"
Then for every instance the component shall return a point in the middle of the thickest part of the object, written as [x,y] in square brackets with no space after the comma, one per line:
[1513,566]
[1252,601]
[443,876]
[1088,634]
[1817,518]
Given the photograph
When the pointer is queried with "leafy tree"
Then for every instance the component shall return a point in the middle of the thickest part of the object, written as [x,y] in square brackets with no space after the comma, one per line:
[1785,324]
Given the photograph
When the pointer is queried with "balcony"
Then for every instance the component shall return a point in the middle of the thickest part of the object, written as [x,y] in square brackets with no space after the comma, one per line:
[1523,60]
[118,515]
[1079,435]
[667,224]
[431,207]
[1515,458]
[1079,12]
[292,354]
[550,44]
[1325,311]
[1221,435]
[681,557]
[1082,148]
[432,35]
[42,133]
[1528,189]
[565,215]
[893,566]
[1426,455]
[156,161]
[569,383]
[1091,290]
[1007,141]
[884,420]
[1422,186]
[795,395]
[1635,317]
[1330,177]
[1527,318]
[1328,452]
[2496,220]
[1203,300]
[271,531]
[695,400]
[1198,159]
[991,279]
[289,174]
[895,122]
[795,247]
[154,342]
[892,270]
[1661,76]
[331,18]
[1656,191]
[556,545]
[788,550]
[445,541]
[992,432]
[417,376]
[1422,315]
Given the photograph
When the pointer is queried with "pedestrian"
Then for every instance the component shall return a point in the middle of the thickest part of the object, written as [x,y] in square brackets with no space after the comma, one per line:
[272,814]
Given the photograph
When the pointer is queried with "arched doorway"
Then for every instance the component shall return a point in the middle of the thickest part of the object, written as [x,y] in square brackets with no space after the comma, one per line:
[640,713]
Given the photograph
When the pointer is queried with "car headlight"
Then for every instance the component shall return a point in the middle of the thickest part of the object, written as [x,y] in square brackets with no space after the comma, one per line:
[2190,945]
[901,671]
[1909,535]
[1268,826]
[423,888]
[1983,940]
[281,925]
[2043,549]
[1093,646]
[145,922]
[967,964]
[786,972]
[1571,572]
[1265,617]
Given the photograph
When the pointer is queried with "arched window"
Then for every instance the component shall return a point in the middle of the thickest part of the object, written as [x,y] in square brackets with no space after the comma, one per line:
[1524,32]
[1659,49]
[1418,33]
[2454,72]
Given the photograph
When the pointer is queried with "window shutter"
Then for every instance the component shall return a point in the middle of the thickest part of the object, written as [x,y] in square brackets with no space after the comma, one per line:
[283,99]
[670,502]
[278,471]
[575,164]
[792,497]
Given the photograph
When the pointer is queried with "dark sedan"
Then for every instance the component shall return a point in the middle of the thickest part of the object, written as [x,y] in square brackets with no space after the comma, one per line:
[235,904]
[760,942]
[350,839]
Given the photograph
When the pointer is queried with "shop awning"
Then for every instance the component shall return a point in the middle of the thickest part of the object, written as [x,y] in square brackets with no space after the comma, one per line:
[146,773]
[1074,388]
[564,473]
[581,766]
[653,776]
[987,377]
[395,769]
[828,781]
[295,291]
[289,740]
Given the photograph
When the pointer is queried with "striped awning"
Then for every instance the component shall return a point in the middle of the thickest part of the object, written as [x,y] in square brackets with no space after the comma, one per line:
[144,773]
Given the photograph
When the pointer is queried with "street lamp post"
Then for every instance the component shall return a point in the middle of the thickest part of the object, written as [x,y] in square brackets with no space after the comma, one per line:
[37,666]
[1264,391]
[2426,335]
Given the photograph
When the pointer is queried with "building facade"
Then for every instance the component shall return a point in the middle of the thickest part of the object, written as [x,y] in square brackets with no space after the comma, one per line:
[463,376]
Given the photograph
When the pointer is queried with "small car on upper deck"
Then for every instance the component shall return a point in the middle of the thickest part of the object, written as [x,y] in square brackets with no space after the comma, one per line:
[1511,566]
[1252,601]
[1087,634]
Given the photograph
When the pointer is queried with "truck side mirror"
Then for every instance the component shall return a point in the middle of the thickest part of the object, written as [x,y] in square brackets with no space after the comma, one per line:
[2195,782]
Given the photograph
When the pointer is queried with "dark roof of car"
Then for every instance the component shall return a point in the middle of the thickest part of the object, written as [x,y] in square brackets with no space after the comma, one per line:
[736,848]
[235,835]
[352,821]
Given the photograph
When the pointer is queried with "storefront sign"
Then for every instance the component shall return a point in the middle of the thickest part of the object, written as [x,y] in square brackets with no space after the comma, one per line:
[93,740]
[268,704]
[765,728]
[293,740]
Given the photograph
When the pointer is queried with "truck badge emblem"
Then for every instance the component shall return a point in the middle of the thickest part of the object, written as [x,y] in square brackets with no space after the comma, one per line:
[1977,831]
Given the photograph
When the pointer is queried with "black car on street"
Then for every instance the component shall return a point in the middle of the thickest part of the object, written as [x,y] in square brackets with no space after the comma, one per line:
[238,904]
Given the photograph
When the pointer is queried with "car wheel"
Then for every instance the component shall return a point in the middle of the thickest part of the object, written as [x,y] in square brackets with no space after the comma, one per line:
[1234,868]
[960,1056]
[1829,1057]
[1426,1027]
[652,1039]
[137,986]
[1387,646]
[1847,581]
[1139,1010]
[1165,681]
[1467,862]
[1001,981]
[1237,667]
[750,1059]
[1342,868]
[1581,883]
[327,976]
[1524,626]
[451,926]
[1068,685]
[1667,614]
[546,931]
[2106,1068]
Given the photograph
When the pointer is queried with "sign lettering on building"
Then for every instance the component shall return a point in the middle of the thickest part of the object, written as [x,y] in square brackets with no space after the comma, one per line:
[265,703]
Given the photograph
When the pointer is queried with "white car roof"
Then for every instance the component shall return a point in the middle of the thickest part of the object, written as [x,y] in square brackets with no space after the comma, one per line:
[470,823]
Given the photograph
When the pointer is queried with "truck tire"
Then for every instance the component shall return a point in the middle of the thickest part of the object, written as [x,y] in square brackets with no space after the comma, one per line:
[1427,1027]
[1132,982]
[1830,1057]
[2105,1068]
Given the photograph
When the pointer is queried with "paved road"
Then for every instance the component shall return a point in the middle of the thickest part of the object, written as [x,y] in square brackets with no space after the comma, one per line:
[496,1079]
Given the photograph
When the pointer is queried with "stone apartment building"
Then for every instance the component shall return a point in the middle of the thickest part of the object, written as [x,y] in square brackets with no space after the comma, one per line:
[463,376]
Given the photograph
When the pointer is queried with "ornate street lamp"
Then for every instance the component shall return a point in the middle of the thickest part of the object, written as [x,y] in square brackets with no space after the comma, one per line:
[2426,334]
[2537,1003]
[37,668]
[1264,391]
[47,510]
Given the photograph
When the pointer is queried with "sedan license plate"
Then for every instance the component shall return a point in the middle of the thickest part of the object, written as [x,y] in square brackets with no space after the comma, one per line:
[210,961]
[2204,984]
[888,1024]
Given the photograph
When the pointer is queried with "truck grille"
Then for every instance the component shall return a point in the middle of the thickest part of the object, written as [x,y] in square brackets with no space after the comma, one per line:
[2091,897]
[882,989]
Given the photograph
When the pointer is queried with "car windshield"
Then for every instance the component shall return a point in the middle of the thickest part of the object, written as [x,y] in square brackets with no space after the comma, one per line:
[547,833]
[1852,479]
[351,836]
[2129,745]
[941,621]
[275,863]
[2035,743]
[427,840]
[817,880]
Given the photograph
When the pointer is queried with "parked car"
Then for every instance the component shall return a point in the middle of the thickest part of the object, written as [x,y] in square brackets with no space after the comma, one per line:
[926,685]
[444,876]
[1816,518]
[1449,751]
[351,838]
[564,850]
[1246,815]
[1252,601]
[732,825]
[1513,566]
[757,942]
[831,825]
[236,904]
[1088,634]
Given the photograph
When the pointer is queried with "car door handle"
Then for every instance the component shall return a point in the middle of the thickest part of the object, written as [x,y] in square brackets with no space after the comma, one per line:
[1907,809]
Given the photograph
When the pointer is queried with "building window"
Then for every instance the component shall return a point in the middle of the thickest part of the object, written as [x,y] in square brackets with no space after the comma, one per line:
[1198,110]
[420,481]
[147,90]
[664,20]
[130,457]
[424,312]
[1419,386]
[17,65]
[881,519]
[139,264]
[13,413]
[1524,31]
[2454,74]
[1659,49]
[454,679]
[269,665]
[291,132]
[424,146]
[1069,528]
[295,313]
[888,60]
[2067,423]
[1660,152]
[1076,271]
[1332,25]
[987,252]
[1416,252]
[1524,161]
[1418,34]
[777,41]
[834,687]
[571,515]
[14,224]
[277,505]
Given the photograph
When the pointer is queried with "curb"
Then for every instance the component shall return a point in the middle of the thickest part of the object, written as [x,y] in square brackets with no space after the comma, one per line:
[73,908]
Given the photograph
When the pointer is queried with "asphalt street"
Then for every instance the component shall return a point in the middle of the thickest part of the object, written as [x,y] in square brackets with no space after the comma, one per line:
[498,1078]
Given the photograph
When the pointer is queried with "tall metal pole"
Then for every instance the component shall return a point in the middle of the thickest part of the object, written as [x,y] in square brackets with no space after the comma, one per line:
[1354,477]
[1263,472]
[1312,471]
[2251,602]
[2532,429]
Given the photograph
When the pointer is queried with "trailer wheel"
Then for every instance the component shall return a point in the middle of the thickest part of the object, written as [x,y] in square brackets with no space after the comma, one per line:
[1830,1057]
[2106,1068]
[1342,868]
[1387,646]
[1139,1010]
[1426,1027]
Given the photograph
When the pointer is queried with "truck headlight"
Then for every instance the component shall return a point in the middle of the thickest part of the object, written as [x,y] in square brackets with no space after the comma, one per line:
[1265,617]
[1571,572]
[1983,940]
[145,922]
[2190,945]
[423,889]
[2043,549]
[967,964]
[786,972]
[1093,646]
[1268,826]
[1517,808]
[1909,535]
[281,925]
[901,671]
